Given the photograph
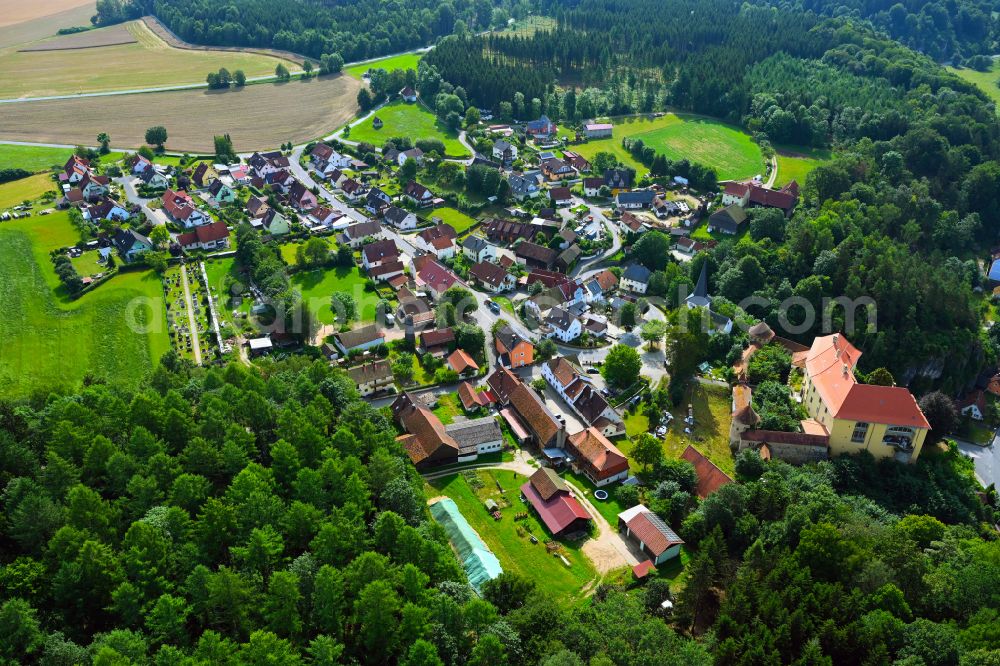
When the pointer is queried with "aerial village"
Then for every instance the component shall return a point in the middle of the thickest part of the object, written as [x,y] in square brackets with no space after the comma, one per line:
[521,335]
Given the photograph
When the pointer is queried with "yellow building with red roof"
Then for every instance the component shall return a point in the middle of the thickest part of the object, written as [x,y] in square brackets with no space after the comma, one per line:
[883,420]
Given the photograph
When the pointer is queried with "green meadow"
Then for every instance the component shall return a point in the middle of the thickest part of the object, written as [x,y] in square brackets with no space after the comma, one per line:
[50,341]
[410,120]
[726,148]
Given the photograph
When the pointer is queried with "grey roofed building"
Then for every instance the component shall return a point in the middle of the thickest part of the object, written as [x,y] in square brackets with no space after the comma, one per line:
[358,337]
[560,318]
[472,433]
[729,220]
[474,244]
[396,215]
[641,198]
[637,273]
[700,298]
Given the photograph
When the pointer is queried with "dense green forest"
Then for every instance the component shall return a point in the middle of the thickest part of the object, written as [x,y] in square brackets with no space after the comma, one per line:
[899,216]
[942,30]
[267,516]
[356,30]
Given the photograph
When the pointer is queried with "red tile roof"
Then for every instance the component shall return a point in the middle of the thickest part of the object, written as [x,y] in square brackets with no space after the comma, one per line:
[830,366]
[559,511]
[652,531]
[597,450]
[460,361]
[710,477]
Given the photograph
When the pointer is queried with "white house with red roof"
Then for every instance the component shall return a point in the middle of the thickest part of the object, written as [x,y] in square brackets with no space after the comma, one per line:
[206,237]
[180,207]
[886,421]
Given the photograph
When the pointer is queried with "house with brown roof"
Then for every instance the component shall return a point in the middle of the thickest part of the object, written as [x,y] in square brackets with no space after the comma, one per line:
[426,441]
[434,277]
[544,430]
[647,531]
[560,196]
[380,252]
[418,194]
[206,237]
[473,400]
[592,186]
[355,234]
[710,477]
[505,232]
[438,240]
[502,383]
[492,277]
[582,397]
[371,377]
[512,350]
[534,256]
[437,342]
[597,458]
[180,207]
[462,363]
[552,500]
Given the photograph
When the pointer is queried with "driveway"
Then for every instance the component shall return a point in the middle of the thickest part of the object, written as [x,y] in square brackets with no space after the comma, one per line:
[985,458]
[154,215]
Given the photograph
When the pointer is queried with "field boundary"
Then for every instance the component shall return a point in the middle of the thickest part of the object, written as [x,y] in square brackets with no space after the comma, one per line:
[167,35]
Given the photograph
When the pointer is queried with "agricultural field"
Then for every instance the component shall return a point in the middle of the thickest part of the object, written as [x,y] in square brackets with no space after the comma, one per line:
[404,61]
[33,158]
[60,340]
[796,163]
[985,81]
[269,114]
[411,120]
[459,221]
[40,20]
[726,148]
[25,189]
[508,538]
[712,416]
[318,285]
[78,63]
[13,12]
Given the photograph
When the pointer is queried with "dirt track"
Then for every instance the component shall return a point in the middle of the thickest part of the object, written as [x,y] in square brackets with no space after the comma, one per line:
[257,117]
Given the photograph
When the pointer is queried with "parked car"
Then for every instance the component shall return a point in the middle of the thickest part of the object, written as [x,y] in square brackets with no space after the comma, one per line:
[593,371]
[494,306]
[661,431]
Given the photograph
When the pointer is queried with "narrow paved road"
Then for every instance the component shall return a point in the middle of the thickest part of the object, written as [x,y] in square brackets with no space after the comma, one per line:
[195,346]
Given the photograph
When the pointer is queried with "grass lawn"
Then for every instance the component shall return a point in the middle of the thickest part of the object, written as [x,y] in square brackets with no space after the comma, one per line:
[405,61]
[50,341]
[411,120]
[726,148]
[86,264]
[504,303]
[609,508]
[796,163]
[508,538]
[636,423]
[448,407]
[985,81]
[33,158]
[17,191]
[459,221]
[318,285]
[146,63]
[712,416]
